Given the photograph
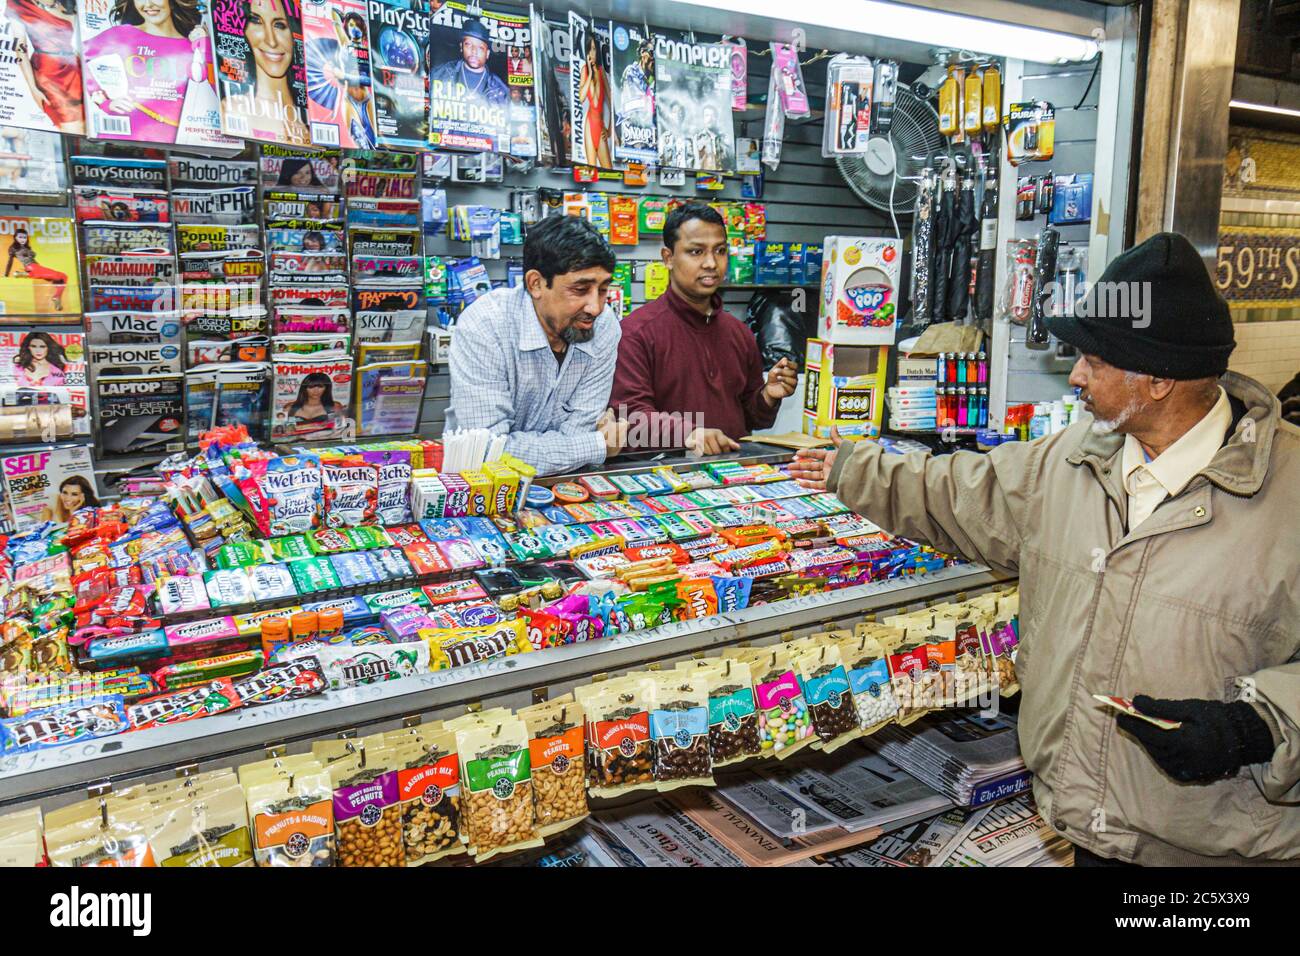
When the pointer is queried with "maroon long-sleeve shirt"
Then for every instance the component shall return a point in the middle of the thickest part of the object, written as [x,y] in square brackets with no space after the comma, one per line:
[673,360]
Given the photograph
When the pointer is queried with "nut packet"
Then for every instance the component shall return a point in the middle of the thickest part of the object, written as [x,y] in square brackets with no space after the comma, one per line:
[830,700]
[913,683]
[784,726]
[619,747]
[428,786]
[205,827]
[873,695]
[496,787]
[733,715]
[292,818]
[117,837]
[678,701]
[556,746]
[972,680]
[367,809]
[351,492]
[22,843]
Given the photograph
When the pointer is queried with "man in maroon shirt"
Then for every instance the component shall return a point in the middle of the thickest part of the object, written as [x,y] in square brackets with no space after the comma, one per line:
[689,372]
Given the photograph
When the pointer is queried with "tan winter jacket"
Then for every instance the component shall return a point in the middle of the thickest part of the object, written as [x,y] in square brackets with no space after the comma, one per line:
[1205,592]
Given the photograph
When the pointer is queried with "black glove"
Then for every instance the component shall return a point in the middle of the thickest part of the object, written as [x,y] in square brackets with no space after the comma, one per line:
[1215,740]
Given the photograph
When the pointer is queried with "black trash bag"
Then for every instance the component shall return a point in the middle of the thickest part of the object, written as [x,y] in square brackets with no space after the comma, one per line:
[781,331]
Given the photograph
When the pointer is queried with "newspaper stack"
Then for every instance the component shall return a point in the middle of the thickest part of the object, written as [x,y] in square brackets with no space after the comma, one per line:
[971,760]
[1011,833]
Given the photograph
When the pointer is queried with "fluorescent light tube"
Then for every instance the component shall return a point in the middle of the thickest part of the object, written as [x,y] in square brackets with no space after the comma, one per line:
[1262,108]
[935,28]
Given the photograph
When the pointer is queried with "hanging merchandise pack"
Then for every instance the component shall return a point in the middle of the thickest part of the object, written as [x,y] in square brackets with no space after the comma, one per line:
[1031,131]
[790,86]
[773,123]
[847,127]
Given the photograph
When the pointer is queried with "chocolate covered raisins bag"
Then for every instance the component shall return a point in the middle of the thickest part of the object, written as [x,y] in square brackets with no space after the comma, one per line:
[618,742]
[557,745]
[428,785]
[292,819]
[678,701]
[826,689]
[873,695]
[496,787]
[733,715]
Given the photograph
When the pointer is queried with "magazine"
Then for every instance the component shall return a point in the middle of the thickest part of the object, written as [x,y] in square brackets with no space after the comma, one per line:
[247,348]
[240,298]
[48,485]
[40,89]
[135,359]
[130,298]
[140,414]
[589,96]
[118,204]
[309,268]
[233,205]
[299,320]
[262,79]
[693,105]
[42,359]
[31,163]
[302,172]
[310,397]
[240,266]
[340,102]
[389,397]
[314,296]
[399,50]
[481,95]
[632,76]
[293,205]
[40,272]
[138,269]
[296,344]
[379,184]
[214,325]
[385,242]
[316,237]
[376,353]
[387,270]
[238,393]
[194,237]
[190,171]
[551,54]
[117,238]
[364,212]
[382,159]
[123,328]
[45,414]
[115,171]
[149,77]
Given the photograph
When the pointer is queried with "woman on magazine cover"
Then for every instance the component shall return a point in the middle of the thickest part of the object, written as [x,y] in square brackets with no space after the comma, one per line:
[593,94]
[167,34]
[271,107]
[297,172]
[49,60]
[21,250]
[315,405]
[40,361]
[75,493]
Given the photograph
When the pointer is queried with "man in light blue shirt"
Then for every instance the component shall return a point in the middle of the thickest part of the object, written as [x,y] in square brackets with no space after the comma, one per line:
[536,362]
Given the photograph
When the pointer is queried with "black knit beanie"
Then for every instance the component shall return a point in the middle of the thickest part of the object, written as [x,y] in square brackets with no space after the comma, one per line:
[1154,310]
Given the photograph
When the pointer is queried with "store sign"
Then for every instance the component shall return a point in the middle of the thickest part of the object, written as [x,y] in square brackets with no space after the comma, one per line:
[1259,266]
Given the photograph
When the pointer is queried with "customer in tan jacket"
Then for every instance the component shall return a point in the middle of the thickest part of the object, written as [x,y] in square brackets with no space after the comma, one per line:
[1158,550]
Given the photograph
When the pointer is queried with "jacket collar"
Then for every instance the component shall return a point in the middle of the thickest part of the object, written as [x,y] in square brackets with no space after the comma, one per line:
[531,334]
[1240,465]
[687,312]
